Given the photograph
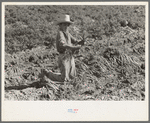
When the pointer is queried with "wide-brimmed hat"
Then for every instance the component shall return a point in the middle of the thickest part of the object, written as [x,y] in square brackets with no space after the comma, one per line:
[63,19]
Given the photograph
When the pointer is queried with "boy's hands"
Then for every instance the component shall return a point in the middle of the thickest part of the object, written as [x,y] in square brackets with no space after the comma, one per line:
[76,48]
[81,42]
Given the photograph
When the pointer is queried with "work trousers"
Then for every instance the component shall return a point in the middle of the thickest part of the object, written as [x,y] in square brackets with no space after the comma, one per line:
[66,64]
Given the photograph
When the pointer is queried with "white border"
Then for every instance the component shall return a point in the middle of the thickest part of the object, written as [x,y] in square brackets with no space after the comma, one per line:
[76,3]
[88,110]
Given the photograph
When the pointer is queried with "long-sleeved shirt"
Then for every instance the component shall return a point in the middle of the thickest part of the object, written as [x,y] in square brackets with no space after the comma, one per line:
[64,38]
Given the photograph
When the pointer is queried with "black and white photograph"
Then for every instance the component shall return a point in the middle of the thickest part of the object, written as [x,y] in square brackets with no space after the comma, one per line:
[77,52]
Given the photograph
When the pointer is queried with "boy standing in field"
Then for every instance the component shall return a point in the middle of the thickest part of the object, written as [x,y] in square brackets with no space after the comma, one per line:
[65,47]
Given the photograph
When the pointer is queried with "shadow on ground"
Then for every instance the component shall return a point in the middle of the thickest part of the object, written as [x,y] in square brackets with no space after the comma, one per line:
[36,84]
